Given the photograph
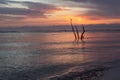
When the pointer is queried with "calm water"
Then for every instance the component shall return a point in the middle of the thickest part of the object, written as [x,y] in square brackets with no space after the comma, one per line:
[40,56]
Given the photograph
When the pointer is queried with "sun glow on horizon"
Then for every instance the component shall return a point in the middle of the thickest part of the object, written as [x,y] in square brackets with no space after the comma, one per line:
[80,19]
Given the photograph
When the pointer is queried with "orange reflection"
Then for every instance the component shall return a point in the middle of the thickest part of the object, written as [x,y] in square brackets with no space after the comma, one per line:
[68,58]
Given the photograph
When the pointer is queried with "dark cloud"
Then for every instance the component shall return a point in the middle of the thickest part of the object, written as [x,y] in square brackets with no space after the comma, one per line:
[77,0]
[3,1]
[45,8]
[11,17]
[100,8]
[21,11]
[33,9]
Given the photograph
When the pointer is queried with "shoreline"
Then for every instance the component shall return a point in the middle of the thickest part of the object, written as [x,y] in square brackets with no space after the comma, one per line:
[90,74]
[112,74]
[98,73]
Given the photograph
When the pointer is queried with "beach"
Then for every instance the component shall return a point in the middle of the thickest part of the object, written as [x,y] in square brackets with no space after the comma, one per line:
[59,40]
[58,56]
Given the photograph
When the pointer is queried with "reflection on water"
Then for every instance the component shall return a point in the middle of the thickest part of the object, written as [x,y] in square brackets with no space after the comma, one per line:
[68,58]
[41,53]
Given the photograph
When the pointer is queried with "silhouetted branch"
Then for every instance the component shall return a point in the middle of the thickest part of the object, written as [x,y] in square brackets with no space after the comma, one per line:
[73,29]
[82,35]
[77,32]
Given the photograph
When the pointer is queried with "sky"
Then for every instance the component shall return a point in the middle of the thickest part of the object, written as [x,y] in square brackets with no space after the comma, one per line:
[58,12]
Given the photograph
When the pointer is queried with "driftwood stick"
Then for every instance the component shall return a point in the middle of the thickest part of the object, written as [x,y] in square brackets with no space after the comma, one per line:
[73,29]
[77,32]
[82,35]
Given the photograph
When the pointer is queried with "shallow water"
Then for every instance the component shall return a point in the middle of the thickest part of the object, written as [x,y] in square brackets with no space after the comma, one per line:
[40,56]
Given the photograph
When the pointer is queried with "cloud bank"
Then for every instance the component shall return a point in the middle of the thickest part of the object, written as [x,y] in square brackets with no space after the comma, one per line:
[32,9]
[99,8]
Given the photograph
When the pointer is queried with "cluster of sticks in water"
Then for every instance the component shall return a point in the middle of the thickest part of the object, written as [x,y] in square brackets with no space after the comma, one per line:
[76,31]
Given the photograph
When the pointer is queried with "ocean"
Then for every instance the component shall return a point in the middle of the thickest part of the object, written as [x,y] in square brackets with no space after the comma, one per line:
[51,55]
